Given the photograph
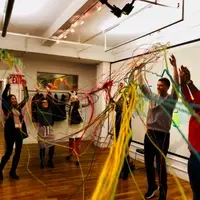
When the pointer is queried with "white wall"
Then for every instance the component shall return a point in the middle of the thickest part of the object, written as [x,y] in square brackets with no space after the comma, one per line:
[32,65]
[187,55]
[102,75]
[184,31]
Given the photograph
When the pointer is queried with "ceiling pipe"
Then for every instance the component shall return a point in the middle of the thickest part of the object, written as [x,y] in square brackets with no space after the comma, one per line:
[50,39]
[150,4]
[157,30]
[116,25]
[7,16]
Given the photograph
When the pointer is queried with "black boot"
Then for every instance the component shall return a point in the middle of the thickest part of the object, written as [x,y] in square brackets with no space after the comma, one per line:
[51,154]
[42,158]
[1,176]
[13,175]
[125,169]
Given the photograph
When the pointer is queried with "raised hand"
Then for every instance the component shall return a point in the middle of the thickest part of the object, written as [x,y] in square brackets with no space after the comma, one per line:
[172,60]
[184,74]
[37,87]
[10,80]
[24,83]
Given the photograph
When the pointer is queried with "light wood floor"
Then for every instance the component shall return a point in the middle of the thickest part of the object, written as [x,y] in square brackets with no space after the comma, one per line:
[65,183]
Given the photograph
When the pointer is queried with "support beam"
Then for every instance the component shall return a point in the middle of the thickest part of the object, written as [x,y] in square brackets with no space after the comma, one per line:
[32,45]
[64,17]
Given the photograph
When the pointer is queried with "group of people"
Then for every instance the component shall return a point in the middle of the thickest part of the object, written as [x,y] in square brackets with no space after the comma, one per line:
[156,141]
[157,137]
[43,109]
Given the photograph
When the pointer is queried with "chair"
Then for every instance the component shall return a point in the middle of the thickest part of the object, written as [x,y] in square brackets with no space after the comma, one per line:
[138,151]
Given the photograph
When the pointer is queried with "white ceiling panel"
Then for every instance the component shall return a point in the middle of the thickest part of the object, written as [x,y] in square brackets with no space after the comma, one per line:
[144,19]
[34,16]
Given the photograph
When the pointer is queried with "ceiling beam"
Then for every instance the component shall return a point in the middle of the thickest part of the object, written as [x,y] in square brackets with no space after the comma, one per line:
[70,20]
[64,17]
[71,50]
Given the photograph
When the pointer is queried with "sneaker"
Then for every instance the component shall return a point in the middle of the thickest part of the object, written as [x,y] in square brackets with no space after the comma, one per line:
[13,175]
[77,163]
[151,192]
[42,165]
[1,176]
[163,195]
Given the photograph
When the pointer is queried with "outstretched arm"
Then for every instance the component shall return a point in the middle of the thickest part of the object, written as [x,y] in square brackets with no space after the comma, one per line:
[176,76]
[5,94]
[5,105]
[188,83]
[186,92]
[26,96]
[145,90]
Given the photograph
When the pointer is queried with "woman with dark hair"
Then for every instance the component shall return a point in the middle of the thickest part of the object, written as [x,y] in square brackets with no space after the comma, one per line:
[43,108]
[118,120]
[75,125]
[15,128]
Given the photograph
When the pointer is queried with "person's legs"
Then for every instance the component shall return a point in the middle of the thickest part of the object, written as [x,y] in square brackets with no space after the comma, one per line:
[42,157]
[16,157]
[162,140]
[51,154]
[9,142]
[125,168]
[194,175]
[71,147]
[149,155]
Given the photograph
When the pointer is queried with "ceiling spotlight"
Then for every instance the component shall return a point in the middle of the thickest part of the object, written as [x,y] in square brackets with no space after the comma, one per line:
[72,30]
[128,8]
[75,24]
[82,22]
[57,41]
[65,37]
[104,1]
[117,11]
[99,8]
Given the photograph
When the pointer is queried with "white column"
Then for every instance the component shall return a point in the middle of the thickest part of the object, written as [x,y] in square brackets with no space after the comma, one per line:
[103,72]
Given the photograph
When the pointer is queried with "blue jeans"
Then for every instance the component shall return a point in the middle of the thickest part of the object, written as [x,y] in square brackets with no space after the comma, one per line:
[194,175]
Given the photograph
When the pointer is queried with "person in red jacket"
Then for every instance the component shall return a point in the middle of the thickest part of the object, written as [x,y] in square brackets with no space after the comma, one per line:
[192,96]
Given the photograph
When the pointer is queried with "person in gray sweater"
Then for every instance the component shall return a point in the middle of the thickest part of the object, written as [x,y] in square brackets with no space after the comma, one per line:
[159,119]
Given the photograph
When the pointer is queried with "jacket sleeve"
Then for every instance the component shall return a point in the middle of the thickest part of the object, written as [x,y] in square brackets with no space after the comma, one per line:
[5,105]
[35,106]
[26,97]
[186,94]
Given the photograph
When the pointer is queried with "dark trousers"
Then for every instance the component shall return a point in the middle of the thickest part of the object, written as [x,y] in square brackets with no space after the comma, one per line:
[51,154]
[194,175]
[161,141]
[74,145]
[10,139]
[125,168]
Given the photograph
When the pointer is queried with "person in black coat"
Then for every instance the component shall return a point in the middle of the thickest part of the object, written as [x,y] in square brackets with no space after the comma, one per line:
[118,120]
[43,108]
[15,128]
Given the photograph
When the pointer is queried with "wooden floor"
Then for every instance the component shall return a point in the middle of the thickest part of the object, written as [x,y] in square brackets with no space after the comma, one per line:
[65,182]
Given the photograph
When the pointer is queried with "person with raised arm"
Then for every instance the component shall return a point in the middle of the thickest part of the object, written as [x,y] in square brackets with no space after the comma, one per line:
[192,96]
[43,114]
[159,119]
[15,128]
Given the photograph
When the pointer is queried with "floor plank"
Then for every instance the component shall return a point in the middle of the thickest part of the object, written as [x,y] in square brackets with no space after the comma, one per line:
[65,181]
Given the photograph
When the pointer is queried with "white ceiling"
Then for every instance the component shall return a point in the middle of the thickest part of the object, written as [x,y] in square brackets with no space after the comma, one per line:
[38,17]
[143,19]
[34,16]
